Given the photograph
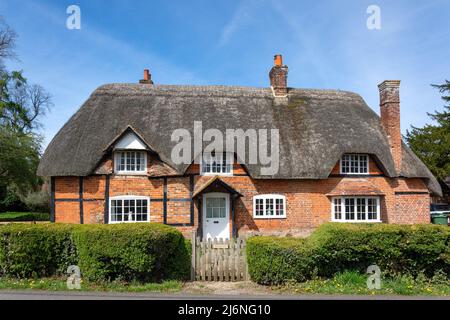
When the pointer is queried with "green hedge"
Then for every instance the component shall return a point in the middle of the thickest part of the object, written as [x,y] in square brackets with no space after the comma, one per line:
[337,247]
[273,260]
[141,252]
[30,250]
[24,216]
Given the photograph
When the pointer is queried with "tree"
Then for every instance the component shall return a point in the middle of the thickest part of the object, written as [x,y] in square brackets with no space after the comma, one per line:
[7,42]
[21,106]
[432,142]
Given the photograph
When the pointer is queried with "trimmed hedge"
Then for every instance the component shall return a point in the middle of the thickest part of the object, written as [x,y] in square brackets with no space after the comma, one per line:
[141,252]
[36,250]
[273,260]
[337,247]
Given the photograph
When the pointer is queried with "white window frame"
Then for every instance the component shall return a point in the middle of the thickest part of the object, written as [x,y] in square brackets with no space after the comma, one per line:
[117,154]
[274,197]
[229,160]
[342,206]
[359,163]
[128,197]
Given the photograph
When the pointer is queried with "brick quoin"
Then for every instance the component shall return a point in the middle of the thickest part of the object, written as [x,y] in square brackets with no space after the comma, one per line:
[403,200]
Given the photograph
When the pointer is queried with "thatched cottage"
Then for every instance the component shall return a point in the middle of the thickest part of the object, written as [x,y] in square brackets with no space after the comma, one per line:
[112,162]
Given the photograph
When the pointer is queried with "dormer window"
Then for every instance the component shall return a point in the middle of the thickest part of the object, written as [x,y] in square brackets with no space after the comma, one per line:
[217,163]
[354,164]
[130,155]
[130,162]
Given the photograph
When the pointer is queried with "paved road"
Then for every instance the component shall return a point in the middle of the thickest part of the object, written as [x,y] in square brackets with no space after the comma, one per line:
[69,295]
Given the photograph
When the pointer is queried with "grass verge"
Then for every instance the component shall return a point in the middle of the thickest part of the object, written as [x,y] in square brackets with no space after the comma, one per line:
[24,216]
[349,283]
[59,284]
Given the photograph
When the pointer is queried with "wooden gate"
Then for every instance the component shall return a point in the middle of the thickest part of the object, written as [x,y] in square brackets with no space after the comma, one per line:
[219,260]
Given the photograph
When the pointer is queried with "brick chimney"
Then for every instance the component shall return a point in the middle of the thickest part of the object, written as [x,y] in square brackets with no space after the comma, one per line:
[390,118]
[147,77]
[278,77]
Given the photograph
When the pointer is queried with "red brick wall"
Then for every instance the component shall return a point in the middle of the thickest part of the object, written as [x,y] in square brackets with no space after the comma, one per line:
[308,206]
[411,208]
[390,118]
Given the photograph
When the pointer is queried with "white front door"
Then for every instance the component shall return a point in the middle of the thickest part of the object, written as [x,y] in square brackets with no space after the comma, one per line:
[216,215]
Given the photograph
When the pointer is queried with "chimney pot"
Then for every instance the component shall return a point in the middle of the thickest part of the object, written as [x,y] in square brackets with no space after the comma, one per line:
[278,60]
[278,77]
[390,118]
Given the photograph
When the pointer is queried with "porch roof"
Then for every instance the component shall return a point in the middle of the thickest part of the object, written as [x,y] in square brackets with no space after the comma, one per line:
[216,183]
[355,187]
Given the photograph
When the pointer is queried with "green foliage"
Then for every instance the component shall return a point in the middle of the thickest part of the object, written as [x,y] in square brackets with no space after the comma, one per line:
[396,249]
[28,250]
[38,201]
[122,252]
[274,260]
[351,283]
[141,251]
[21,106]
[60,284]
[432,142]
[24,216]
[10,200]
[336,247]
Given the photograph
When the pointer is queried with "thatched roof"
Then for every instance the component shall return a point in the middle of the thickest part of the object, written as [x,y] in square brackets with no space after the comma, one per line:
[316,127]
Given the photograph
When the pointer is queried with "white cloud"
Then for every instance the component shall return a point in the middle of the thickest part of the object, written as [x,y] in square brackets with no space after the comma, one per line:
[239,18]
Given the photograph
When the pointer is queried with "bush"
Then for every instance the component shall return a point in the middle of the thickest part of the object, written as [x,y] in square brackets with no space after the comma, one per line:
[396,249]
[24,216]
[337,247]
[28,250]
[141,252]
[274,260]
[38,201]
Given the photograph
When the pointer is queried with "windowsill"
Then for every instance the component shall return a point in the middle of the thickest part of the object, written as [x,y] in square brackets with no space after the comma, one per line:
[212,174]
[274,217]
[117,222]
[131,173]
[357,221]
[355,173]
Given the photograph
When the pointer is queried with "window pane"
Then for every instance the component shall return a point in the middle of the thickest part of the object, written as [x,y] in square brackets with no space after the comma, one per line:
[129,210]
[363,164]
[355,163]
[131,161]
[216,163]
[269,207]
[279,208]
[337,209]
[259,210]
[349,208]
[222,212]
[361,208]
[372,209]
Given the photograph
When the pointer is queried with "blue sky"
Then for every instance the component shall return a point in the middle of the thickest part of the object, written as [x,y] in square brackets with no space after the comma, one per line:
[326,44]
